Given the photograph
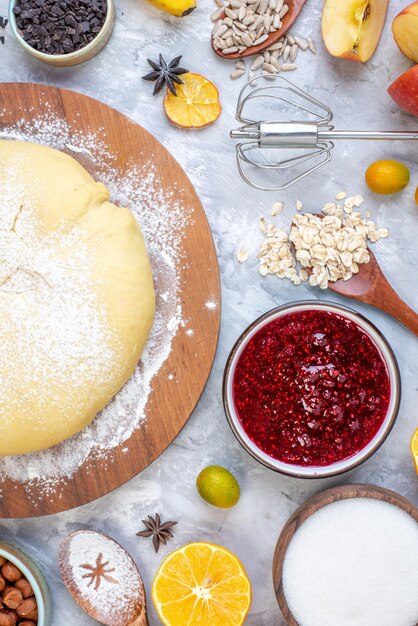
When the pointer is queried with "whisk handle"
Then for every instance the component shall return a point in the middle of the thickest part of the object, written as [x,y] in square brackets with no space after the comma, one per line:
[329,135]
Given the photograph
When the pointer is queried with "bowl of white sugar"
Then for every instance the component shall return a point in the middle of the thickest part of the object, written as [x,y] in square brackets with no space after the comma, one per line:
[348,557]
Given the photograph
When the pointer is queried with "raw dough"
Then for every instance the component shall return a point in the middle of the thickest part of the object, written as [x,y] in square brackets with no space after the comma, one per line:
[76,297]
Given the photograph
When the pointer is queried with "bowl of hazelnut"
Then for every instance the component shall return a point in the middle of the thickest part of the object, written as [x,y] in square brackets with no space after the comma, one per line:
[24,594]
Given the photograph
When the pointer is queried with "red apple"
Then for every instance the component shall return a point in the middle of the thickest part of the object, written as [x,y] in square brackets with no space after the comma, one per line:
[352,29]
[405,31]
[404,90]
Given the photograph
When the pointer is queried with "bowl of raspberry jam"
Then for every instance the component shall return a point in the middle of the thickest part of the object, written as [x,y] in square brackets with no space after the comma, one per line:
[311,389]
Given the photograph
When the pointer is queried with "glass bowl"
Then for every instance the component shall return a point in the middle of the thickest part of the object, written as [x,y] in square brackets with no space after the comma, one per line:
[33,574]
[72,58]
[339,467]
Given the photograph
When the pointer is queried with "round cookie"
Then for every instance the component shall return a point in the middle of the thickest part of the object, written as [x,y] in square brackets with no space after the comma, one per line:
[76,297]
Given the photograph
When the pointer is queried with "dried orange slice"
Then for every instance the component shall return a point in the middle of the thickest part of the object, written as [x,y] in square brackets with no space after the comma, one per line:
[196,103]
[414,448]
[201,584]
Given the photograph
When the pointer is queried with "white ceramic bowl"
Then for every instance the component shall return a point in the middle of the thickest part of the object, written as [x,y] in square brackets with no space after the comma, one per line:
[72,58]
[339,467]
[33,574]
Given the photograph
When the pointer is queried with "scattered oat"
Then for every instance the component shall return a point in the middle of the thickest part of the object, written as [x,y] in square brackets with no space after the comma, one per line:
[277,208]
[332,246]
[242,255]
[341,195]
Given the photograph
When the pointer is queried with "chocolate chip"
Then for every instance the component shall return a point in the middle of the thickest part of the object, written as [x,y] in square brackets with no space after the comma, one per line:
[59,26]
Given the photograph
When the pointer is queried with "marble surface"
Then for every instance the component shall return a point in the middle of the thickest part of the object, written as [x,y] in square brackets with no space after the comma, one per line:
[358,95]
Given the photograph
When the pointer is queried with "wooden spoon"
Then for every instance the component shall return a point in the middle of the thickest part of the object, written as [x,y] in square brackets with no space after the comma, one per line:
[313,505]
[103,579]
[371,286]
[295,7]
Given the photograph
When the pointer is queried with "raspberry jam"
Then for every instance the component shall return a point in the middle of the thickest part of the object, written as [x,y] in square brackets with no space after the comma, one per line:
[311,388]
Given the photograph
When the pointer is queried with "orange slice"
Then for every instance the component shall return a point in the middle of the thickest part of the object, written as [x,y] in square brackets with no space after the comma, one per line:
[196,103]
[414,448]
[201,584]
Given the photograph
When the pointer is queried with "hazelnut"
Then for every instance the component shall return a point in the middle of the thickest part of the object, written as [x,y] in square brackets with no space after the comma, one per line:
[12,597]
[24,587]
[7,617]
[10,572]
[2,583]
[28,608]
[3,561]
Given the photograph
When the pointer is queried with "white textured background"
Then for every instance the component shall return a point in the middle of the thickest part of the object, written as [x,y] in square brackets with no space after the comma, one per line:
[358,95]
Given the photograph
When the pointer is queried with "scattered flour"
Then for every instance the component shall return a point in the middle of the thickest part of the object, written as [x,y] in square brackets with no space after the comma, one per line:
[162,217]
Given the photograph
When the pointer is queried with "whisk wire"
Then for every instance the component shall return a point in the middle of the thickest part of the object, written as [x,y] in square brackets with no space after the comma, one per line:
[315,135]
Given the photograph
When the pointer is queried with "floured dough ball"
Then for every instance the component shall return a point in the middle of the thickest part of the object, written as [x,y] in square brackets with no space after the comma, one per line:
[76,297]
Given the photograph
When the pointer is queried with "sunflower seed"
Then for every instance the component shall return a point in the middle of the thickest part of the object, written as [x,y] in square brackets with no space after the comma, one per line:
[260,40]
[246,40]
[259,32]
[288,67]
[236,73]
[276,22]
[232,14]
[268,67]
[263,7]
[230,50]
[257,63]
[228,21]
[286,53]
[229,42]
[249,19]
[219,3]
[279,5]
[293,52]
[267,75]
[221,31]
[219,43]
[251,77]
[235,4]
[266,55]
[216,14]
[290,39]
[240,65]
[267,20]
[275,46]
[272,5]
[311,46]
[274,62]
[302,43]
[239,26]
[241,12]
[284,10]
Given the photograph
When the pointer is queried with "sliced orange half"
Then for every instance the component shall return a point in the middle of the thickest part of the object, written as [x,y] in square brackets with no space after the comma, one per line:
[196,103]
[201,584]
[414,448]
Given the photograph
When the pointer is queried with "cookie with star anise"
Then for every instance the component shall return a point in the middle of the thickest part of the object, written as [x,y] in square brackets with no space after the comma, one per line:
[103,579]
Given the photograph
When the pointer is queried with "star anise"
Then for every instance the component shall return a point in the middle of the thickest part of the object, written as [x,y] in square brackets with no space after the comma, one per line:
[99,571]
[160,533]
[165,73]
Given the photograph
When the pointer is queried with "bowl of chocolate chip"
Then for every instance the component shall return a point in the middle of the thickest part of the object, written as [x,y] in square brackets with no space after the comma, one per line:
[24,595]
[62,32]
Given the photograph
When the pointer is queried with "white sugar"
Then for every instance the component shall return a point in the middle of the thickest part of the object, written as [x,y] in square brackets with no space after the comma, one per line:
[354,563]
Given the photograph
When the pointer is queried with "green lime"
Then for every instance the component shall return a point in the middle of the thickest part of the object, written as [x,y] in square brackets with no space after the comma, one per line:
[218,486]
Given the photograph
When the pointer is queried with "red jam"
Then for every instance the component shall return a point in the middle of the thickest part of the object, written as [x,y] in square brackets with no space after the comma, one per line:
[311,388]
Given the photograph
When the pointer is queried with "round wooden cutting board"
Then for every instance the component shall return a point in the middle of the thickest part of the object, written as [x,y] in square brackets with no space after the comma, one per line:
[190,360]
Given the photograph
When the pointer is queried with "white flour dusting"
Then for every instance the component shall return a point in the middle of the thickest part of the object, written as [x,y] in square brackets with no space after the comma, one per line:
[162,218]
[104,575]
